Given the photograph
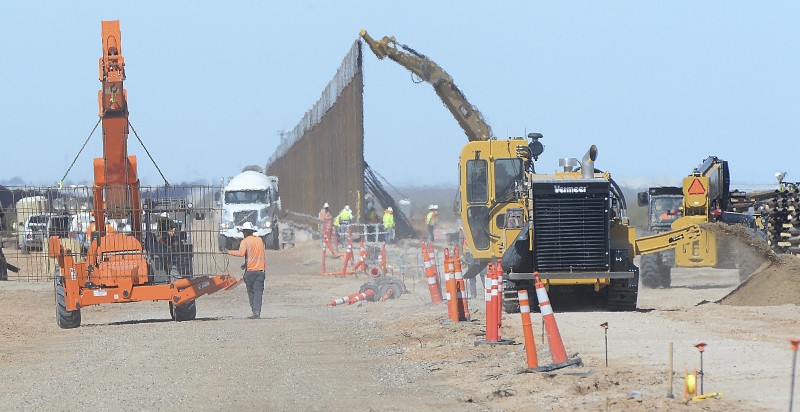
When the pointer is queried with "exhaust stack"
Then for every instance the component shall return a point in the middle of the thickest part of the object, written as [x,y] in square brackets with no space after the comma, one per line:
[587,164]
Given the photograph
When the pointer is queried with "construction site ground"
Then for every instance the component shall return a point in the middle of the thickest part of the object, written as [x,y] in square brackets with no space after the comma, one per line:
[396,355]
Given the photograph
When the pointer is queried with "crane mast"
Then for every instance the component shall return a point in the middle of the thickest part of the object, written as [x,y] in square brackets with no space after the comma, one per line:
[468,116]
[116,189]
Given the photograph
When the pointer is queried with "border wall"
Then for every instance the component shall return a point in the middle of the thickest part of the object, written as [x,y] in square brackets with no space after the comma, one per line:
[322,158]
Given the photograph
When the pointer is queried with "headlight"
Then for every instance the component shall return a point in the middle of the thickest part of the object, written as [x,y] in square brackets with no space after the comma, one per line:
[189,205]
[268,224]
[226,225]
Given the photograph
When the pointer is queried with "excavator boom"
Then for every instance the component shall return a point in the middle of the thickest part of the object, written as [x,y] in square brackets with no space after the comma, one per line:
[468,116]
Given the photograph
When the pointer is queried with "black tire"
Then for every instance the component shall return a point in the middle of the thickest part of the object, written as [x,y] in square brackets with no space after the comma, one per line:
[187,311]
[510,301]
[66,319]
[649,270]
[665,277]
[272,240]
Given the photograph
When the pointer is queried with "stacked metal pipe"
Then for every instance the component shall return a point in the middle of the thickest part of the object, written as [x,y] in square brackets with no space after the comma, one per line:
[783,212]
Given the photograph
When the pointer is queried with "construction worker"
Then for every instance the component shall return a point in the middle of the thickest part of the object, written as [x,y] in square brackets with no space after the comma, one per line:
[325,218]
[343,218]
[388,224]
[252,249]
[92,227]
[431,220]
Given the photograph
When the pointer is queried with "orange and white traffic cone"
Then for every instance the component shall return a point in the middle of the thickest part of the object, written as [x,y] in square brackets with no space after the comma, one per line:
[368,294]
[461,292]
[324,253]
[498,267]
[554,342]
[492,314]
[527,329]
[341,301]
[450,287]
[382,261]
[431,276]
[362,264]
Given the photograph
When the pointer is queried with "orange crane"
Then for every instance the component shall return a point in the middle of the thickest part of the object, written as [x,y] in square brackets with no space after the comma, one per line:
[115,268]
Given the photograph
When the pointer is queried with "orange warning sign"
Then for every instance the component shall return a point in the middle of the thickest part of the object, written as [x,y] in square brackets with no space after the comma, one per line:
[696,188]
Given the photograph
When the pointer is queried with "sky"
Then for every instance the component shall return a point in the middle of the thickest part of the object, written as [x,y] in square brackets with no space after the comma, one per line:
[657,86]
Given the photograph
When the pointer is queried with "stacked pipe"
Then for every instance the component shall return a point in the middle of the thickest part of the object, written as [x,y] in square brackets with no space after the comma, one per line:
[783,212]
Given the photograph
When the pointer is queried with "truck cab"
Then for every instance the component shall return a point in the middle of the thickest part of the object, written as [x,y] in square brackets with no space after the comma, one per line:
[249,197]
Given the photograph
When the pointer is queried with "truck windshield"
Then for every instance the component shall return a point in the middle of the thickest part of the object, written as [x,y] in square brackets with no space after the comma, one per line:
[247,196]
[665,210]
[506,172]
[38,219]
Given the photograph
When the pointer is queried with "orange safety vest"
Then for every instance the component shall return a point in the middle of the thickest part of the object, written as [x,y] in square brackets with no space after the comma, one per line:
[91,228]
[252,249]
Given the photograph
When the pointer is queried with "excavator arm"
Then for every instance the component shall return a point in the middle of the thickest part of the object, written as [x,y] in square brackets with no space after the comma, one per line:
[468,116]
[667,240]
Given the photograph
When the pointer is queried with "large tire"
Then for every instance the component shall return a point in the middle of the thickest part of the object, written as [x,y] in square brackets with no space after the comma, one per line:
[649,270]
[66,319]
[665,276]
[272,240]
[187,311]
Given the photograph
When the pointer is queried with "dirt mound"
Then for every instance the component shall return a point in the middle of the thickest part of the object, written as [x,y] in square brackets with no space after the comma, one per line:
[776,284]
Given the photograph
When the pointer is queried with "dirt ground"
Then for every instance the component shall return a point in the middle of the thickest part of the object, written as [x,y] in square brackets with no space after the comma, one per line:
[395,355]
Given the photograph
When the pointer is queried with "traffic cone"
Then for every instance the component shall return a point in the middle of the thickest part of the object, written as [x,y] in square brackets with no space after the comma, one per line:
[450,287]
[498,267]
[324,252]
[461,292]
[527,329]
[492,325]
[554,342]
[362,264]
[382,261]
[341,301]
[367,294]
[431,275]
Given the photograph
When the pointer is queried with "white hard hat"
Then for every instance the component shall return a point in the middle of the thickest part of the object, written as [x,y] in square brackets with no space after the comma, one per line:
[164,214]
[248,226]
[435,207]
[347,207]
[430,207]
[326,205]
[389,209]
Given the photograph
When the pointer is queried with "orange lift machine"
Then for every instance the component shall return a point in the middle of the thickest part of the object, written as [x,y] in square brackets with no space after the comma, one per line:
[115,268]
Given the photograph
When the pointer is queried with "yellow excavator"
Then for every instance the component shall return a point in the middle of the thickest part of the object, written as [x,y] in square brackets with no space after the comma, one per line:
[571,227]
[705,197]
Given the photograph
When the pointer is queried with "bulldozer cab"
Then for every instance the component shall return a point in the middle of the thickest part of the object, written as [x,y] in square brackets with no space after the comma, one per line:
[490,173]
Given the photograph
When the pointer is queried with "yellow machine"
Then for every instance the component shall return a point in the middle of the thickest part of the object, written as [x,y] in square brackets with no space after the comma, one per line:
[704,197]
[571,227]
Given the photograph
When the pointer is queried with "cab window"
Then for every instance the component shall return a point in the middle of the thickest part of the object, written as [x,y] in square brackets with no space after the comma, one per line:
[506,173]
[477,181]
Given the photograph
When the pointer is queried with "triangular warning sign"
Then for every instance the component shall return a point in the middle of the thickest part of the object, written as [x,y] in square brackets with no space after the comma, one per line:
[696,188]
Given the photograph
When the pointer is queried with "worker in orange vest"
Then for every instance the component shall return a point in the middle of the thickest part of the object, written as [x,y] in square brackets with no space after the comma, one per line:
[93,226]
[325,218]
[252,249]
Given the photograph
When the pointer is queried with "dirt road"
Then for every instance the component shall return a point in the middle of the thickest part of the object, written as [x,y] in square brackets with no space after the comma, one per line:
[396,355]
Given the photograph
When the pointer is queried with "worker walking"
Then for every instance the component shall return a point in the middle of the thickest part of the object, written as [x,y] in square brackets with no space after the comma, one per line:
[388,224]
[325,218]
[252,249]
[431,219]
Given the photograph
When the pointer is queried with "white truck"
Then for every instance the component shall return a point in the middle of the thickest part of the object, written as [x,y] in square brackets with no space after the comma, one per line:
[249,197]
[31,222]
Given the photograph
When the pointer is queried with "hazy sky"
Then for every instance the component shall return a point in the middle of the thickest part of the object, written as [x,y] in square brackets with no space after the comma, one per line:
[657,86]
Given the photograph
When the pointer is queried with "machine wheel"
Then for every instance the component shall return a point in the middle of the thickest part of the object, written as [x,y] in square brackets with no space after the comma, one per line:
[187,311]
[66,319]
[272,240]
[649,269]
[665,277]
[510,301]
